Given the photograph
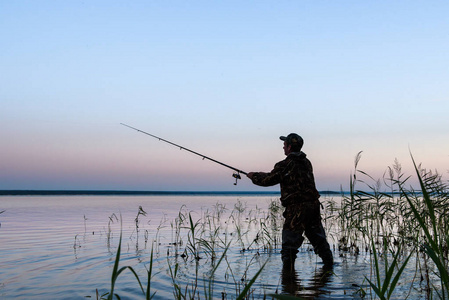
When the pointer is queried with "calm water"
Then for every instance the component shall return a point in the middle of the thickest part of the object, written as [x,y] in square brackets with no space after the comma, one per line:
[64,247]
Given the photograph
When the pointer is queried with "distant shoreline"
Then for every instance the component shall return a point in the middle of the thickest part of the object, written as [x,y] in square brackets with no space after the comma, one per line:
[139,193]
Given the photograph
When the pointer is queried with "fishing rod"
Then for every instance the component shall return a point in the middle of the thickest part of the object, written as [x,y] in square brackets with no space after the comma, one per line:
[236,175]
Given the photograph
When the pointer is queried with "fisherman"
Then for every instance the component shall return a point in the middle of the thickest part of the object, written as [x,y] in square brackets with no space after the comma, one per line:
[300,198]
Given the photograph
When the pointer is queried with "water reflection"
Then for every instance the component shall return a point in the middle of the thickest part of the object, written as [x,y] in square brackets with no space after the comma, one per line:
[310,289]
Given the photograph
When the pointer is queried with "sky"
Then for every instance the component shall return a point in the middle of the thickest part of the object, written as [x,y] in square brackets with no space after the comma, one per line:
[225,79]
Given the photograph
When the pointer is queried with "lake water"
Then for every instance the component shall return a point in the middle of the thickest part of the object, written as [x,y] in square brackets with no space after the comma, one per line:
[64,247]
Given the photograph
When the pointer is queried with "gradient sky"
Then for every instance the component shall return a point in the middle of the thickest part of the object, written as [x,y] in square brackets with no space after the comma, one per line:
[224,78]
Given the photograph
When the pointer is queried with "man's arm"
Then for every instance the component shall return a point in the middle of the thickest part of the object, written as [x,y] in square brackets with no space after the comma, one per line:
[266,179]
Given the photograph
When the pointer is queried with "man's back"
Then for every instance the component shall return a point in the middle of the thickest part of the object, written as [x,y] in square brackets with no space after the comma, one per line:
[297,183]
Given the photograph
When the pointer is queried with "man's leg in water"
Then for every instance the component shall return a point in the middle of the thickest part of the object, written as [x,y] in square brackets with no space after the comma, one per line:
[292,234]
[291,241]
[316,235]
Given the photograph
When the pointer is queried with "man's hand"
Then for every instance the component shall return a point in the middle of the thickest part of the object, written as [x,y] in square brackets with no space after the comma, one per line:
[250,175]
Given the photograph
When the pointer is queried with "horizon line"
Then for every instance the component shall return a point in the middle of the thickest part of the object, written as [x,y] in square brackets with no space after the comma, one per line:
[31,192]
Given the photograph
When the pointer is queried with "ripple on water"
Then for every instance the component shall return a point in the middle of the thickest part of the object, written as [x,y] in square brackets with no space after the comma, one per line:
[54,248]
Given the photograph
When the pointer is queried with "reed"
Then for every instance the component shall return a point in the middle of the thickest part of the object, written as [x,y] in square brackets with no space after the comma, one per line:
[400,217]
[116,271]
[113,218]
[198,242]
[384,288]
[210,241]
[433,220]
[77,243]
[208,291]
[177,226]
[149,293]
[391,222]
[247,288]
[193,245]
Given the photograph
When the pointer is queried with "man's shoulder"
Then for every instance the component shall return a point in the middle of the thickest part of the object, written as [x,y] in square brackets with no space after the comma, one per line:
[282,162]
[297,157]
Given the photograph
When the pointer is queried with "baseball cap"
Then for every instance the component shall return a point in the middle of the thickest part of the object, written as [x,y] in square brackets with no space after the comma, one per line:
[293,139]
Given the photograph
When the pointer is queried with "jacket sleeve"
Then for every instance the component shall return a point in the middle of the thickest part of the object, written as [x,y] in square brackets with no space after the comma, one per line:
[269,179]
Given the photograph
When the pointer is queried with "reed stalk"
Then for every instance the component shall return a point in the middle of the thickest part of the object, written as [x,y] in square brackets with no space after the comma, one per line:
[1,213]
[435,242]
[384,288]
[116,271]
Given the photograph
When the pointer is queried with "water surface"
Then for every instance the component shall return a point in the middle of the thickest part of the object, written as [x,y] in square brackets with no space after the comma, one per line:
[64,247]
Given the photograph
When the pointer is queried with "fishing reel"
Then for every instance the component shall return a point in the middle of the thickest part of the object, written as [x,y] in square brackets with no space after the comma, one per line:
[237,177]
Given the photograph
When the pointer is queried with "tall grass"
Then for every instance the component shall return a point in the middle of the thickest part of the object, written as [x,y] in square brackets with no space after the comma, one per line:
[116,271]
[391,218]
[392,272]
[433,223]
[197,239]
[190,291]
[388,219]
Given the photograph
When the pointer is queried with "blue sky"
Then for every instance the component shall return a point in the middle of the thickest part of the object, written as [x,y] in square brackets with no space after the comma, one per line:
[224,78]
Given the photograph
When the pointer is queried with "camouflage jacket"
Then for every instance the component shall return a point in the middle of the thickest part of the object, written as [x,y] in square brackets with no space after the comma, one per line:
[295,175]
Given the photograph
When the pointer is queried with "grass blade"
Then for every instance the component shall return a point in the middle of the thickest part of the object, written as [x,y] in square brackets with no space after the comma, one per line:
[250,283]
